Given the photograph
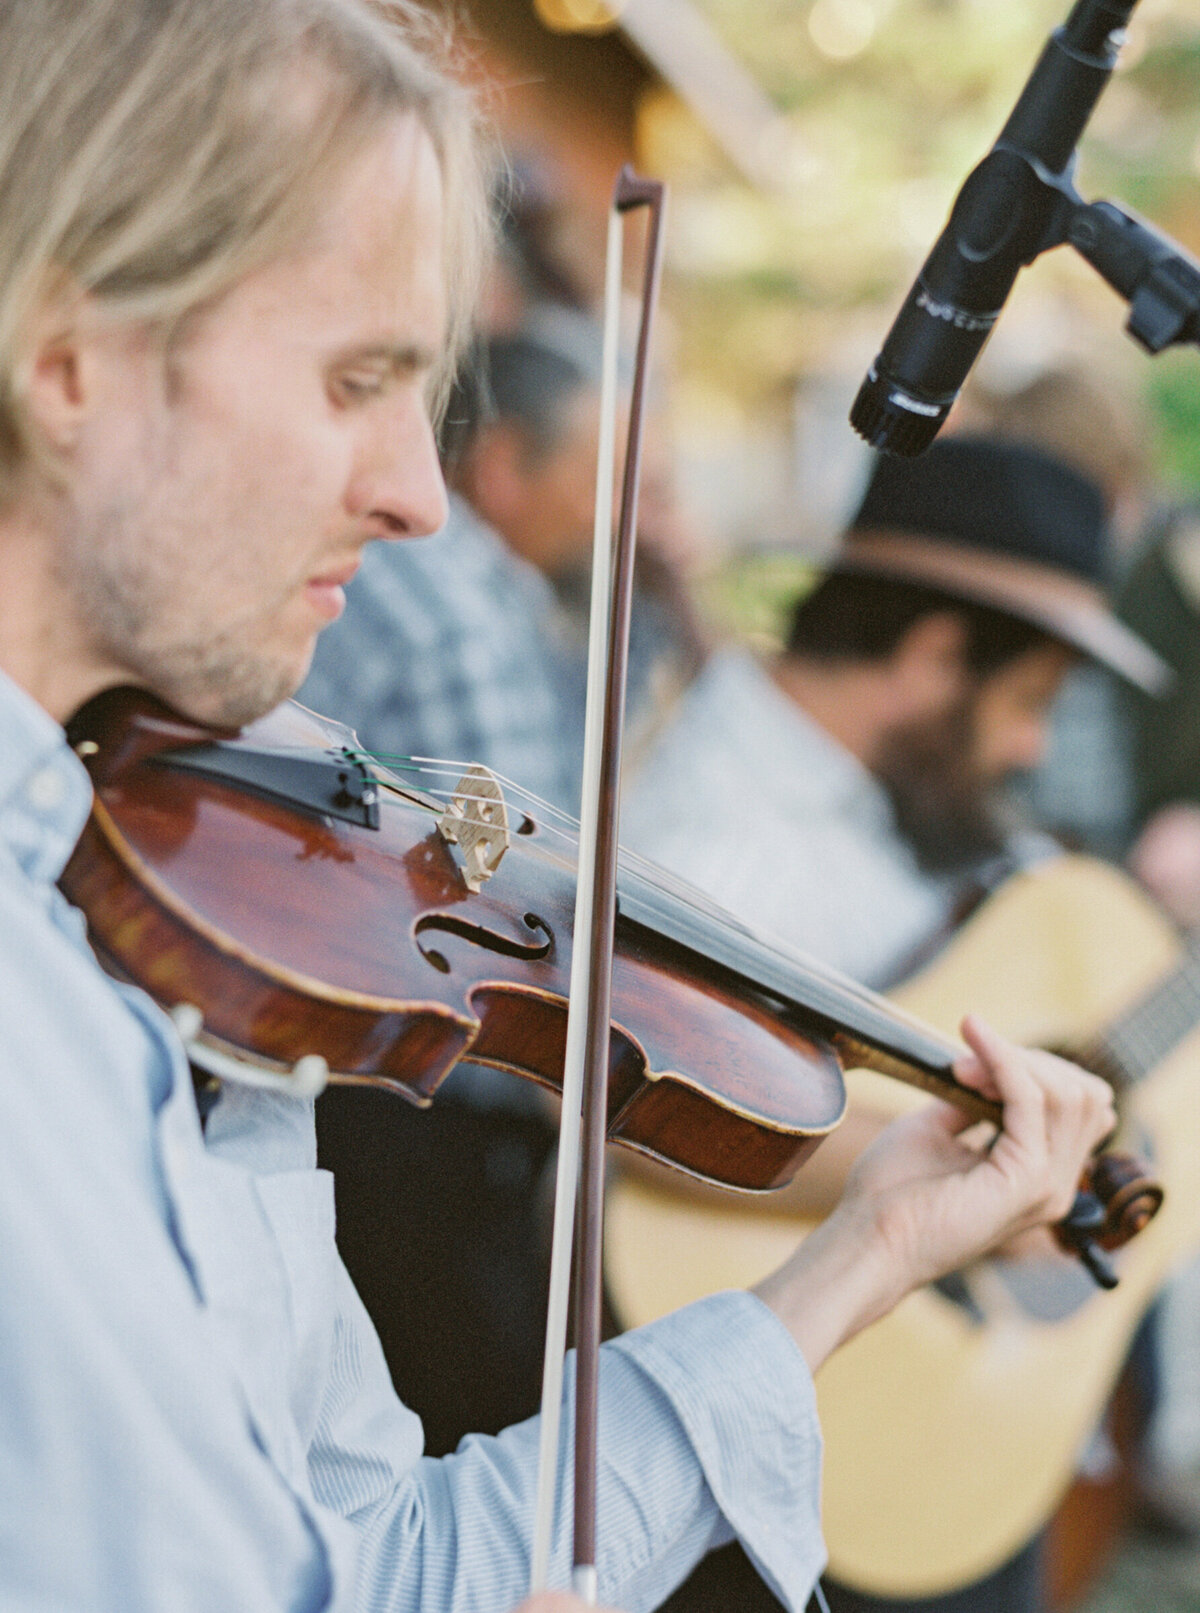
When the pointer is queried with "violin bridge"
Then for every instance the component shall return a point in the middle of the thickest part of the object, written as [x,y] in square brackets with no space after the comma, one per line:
[476,820]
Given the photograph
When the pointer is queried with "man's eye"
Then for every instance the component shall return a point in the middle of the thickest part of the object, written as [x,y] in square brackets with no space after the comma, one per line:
[354,388]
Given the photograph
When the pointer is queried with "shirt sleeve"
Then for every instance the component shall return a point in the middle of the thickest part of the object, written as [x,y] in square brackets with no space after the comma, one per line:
[131,1473]
[707,1431]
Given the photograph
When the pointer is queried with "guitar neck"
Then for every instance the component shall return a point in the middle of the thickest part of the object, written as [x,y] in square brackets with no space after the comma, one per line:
[1137,1041]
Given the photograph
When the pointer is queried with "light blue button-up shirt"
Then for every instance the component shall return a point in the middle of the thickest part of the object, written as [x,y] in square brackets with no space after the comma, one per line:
[195,1413]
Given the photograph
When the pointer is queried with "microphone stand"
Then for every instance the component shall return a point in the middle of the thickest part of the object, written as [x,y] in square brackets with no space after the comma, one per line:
[1019,202]
[1156,277]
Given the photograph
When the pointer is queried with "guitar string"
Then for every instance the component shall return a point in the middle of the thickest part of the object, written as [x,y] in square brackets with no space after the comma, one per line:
[1145,1033]
[1153,1025]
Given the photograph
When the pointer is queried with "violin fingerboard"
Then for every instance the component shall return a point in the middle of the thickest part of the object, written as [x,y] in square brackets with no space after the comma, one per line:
[860,1055]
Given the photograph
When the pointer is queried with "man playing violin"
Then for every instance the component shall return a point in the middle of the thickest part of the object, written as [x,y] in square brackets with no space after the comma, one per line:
[236,250]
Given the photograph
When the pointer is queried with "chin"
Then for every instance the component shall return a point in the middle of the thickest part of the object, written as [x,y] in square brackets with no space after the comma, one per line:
[226,682]
[237,697]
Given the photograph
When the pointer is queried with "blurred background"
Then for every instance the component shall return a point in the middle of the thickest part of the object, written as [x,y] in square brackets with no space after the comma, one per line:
[812,150]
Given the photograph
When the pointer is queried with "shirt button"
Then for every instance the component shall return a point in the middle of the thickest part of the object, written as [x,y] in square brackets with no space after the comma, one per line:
[45,789]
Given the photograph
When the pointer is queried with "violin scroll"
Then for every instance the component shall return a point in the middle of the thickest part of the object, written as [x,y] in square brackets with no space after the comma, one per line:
[1117,1198]
[1130,1196]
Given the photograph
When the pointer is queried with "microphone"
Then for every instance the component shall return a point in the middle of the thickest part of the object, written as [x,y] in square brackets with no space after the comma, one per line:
[1012,207]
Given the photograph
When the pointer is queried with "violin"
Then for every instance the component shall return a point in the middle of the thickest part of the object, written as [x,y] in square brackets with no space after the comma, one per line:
[299,908]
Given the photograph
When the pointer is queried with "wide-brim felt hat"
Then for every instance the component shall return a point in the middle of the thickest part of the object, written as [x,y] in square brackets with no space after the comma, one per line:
[1003,525]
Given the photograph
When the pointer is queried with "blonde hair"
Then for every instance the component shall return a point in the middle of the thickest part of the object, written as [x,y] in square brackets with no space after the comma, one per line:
[153,152]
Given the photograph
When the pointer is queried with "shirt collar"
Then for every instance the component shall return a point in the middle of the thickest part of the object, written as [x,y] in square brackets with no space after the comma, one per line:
[812,766]
[45,792]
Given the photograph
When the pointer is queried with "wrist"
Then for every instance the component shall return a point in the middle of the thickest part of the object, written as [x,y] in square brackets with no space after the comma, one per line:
[842,1278]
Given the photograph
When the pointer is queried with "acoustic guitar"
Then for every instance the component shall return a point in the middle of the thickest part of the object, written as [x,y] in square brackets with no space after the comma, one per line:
[953,1427]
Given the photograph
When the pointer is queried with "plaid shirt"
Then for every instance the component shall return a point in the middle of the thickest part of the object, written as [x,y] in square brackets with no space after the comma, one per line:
[452,647]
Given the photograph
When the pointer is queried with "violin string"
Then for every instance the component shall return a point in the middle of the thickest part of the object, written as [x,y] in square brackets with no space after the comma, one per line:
[662,880]
[544,811]
[658,878]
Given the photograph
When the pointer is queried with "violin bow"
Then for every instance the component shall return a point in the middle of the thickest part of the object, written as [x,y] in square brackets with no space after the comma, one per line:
[579,1188]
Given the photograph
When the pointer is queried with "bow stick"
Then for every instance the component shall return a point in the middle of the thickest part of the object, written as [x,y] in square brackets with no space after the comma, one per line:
[579,1188]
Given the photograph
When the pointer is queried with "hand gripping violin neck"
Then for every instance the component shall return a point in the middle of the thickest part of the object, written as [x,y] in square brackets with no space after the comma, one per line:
[302,911]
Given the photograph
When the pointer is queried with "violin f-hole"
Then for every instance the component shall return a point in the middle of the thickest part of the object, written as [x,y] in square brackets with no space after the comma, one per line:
[479,935]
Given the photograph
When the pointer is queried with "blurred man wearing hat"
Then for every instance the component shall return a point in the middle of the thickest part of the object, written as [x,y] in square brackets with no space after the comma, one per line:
[847,796]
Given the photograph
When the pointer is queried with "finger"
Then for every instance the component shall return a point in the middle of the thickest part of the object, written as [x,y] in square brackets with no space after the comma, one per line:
[953,1134]
[1041,1079]
[994,1054]
[1055,1114]
[999,1069]
[1074,1097]
[1031,1137]
[953,1121]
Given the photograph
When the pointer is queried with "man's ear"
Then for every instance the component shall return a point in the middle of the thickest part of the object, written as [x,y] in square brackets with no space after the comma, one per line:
[928,665]
[55,375]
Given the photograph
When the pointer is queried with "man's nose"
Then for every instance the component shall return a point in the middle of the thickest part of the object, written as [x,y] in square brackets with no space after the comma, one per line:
[398,485]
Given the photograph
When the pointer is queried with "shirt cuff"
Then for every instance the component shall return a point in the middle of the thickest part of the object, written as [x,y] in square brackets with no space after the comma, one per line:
[744,1394]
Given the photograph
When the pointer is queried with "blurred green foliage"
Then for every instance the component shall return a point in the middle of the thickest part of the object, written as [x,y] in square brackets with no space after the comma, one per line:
[750,597]
[888,104]
[1173,389]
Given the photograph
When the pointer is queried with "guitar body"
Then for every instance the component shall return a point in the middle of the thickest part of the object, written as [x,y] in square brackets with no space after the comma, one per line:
[952,1431]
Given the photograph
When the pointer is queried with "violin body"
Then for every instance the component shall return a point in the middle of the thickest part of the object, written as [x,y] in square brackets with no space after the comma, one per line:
[292,906]
[295,933]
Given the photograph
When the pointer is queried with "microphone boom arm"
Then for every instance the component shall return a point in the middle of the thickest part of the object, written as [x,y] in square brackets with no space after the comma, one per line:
[1157,278]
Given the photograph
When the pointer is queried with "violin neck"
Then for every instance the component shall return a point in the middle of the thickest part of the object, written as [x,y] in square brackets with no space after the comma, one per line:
[856,1054]
[866,1030]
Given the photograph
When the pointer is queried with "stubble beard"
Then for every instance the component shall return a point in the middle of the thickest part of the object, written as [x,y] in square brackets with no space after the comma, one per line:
[948,814]
[127,595]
